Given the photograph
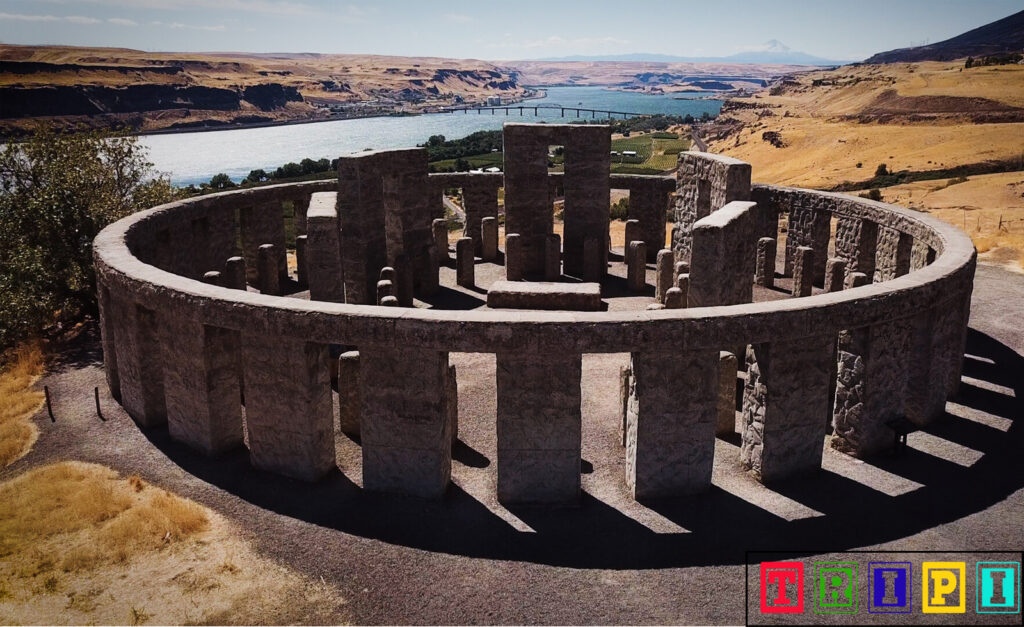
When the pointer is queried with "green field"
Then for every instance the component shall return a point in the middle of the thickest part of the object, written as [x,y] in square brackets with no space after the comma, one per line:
[655,153]
[485,160]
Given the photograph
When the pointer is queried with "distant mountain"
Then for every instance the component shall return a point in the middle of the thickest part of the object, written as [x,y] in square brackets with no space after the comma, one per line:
[999,37]
[771,52]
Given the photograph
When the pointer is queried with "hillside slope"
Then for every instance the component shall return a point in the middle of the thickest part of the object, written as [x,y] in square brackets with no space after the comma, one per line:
[999,37]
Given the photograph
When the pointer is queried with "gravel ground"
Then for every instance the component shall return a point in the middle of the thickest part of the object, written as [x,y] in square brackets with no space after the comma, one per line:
[467,559]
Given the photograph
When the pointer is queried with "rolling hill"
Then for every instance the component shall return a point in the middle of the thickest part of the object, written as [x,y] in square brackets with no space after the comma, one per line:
[1000,37]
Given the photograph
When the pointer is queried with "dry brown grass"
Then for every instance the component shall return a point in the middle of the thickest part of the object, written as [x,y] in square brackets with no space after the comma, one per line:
[18,401]
[81,544]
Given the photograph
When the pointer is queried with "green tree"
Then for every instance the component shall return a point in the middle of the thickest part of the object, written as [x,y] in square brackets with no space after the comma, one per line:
[221,182]
[57,191]
[257,176]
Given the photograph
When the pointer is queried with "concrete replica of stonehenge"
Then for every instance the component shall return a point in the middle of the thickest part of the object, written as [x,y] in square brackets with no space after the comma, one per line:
[198,335]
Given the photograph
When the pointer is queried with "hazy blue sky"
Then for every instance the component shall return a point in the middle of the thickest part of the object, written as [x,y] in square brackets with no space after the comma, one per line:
[494,29]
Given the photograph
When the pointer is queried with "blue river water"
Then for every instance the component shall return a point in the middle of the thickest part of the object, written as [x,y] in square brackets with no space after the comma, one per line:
[192,158]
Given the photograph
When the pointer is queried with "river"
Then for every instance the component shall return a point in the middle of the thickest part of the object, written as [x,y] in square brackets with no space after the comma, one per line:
[192,158]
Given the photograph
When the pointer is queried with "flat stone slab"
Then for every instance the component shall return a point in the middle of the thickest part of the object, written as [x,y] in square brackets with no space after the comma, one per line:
[545,295]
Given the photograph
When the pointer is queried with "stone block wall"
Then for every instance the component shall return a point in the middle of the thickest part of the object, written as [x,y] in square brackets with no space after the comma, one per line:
[706,182]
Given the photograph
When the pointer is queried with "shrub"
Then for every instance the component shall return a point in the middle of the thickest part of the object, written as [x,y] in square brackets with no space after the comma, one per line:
[881,170]
[873,194]
[620,209]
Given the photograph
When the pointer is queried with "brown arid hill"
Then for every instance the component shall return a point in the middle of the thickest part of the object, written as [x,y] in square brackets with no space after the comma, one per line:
[639,74]
[996,38]
[826,128]
[151,91]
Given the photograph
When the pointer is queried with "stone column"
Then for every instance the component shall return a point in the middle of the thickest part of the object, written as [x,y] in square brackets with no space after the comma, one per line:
[856,241]
[636,258]
[406,426]
[263,224]
[201,386]
[553,258]
[108,340]
[705,183]
[675,297]
[665,277]
[480,202]
[632,235]
[728,368]
[764,271]
[349,398]
[139,358]
[810,227]
[489,238]
[439,228]
[234,273]
[893,254]
[363,229]
[871,386]
[266,266]
[539,428]
[404,283]
[648,203]
[785,404]
[595,264]
[288,411]
[835,274]
[528,209]
[464,262]
[673,409]
[719,272]
[326,275]
[587,190]
[513,257]
[920,254]
[301,275]
[803,268]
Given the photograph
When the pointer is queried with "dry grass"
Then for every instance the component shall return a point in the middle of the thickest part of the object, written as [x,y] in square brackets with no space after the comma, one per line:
[18,401]
[81,544]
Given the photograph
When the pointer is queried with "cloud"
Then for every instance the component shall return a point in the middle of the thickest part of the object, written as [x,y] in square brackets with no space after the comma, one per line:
[459,18]
[218,28]
[120,21]
[276,7]
[75,19]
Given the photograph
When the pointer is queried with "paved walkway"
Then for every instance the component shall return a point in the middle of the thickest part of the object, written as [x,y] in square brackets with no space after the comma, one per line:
[466,559]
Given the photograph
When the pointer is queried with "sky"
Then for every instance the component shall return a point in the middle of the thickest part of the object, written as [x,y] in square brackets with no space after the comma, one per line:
[497,30]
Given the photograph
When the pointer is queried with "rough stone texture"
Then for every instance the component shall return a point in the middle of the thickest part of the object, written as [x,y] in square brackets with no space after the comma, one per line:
[893,254]
[201,388]
[324,270]
[632,235]
[675,297]
[856,241]
[404,280]
[919,254]
[301,273]
[682,267]
[349,397]
[673,409]
[625,382]
[803,268]
[637,262]
[764,270]
[728,368]
[785,406]
[587,189]
[719,275]
[288,411]
[488,238]
[595,264]
[528,209]
[648,204]
[478,203]
[856,279]
[439,228]
[553,258]
[513,257]
[452,399]
[871,385]
[539,427]
[266,267]
[808,226]
[664,277]
[139,362]
[465,267]
[545,295]
[405,422]
[108,340]
[835,274]
[234,273]
[706,182]
[262,223]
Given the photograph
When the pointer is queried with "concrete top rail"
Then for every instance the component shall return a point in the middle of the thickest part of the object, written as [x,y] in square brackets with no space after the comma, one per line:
[663,331]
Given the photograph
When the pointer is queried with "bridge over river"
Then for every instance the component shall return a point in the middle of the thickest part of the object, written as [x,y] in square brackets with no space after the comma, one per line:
[537,108]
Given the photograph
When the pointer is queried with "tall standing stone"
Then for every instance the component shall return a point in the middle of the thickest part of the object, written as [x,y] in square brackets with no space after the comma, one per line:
[587,190]
[269,279]
[464,263]
[139,362]
[632,235]
[809,225]
[405,280]
[326,276]
[513,257]
[719,272]
[705,183]
[234,273]
[856,241]
[637,270]
[489,238]
[348,393]
[301,273]
[835,274]
[439,228]
[664,277]
[263,224]
[803,268]
[528,209]
[553,258]
[764,272]
[594,264]
[728,369]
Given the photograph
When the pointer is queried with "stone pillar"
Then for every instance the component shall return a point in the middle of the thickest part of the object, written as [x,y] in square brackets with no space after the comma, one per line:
[587,190]
[326,275]
[856,241]
[108,339]
[452,399]
[288,411]
[803,268]
[489,238]
[553,258]
[513,257]
[665,277]
[871,386]
[301,275]
[439,228]
[728,368]
[673,409]
[362,221]
[479,202]
[406,427]
[719,272]
[764,272]
[705,183]
[348,393]
[139,362]
[632,235]
[594,260]
[892,257]
[785,405]
[539,427]
[464,262]
[385,288]
[810,227]
[919,254]
[266,264]
[201,386]
[404,280]
[625,382]
[263,224]
[528,209]
[234,273]
[636,258]
[648,203]
[835,274]
[675,297]
[389,301]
